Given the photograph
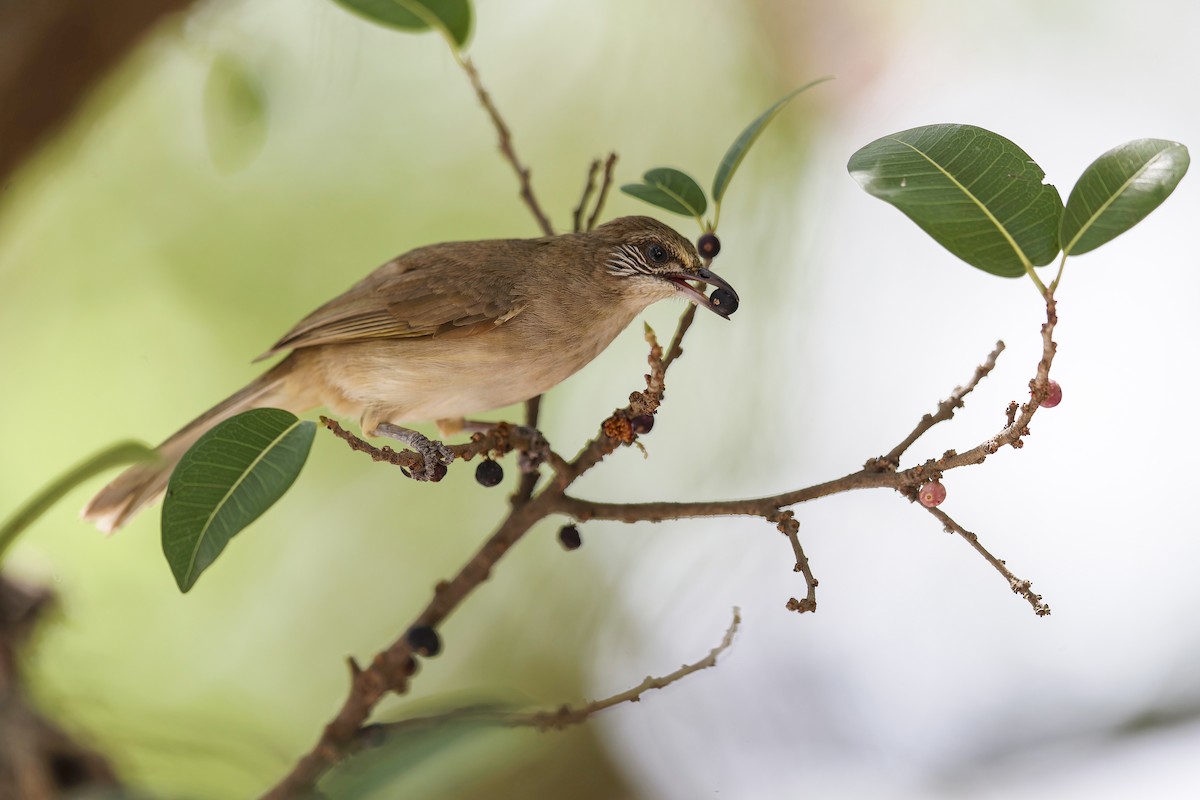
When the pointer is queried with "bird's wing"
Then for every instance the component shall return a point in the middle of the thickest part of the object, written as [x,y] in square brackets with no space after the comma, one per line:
[434,291]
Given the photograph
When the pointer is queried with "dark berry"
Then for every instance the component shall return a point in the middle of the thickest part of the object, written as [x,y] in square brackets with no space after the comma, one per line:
[932,494]
[643,423]
[439,472]
[424,641]
[724,301]
[1054,396]
[489,473]
[569,537]
[708,245]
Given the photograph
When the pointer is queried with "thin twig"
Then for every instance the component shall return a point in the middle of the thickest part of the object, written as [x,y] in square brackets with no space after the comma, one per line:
[676,348]
[556,719]
[502,439]
[789,526]
[610,164]
[1019,586]
[618,429]
[506,146]
[945,412]
[589,186]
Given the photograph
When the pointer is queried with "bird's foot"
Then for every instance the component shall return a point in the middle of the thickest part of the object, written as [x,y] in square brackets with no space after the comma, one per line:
[435,455]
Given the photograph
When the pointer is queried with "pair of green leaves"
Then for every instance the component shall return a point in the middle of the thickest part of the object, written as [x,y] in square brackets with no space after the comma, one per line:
[452,17]
[676,191]
[982,197]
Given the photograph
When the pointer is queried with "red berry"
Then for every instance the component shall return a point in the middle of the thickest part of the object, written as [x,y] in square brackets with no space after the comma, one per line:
[932,494]
[1054,396]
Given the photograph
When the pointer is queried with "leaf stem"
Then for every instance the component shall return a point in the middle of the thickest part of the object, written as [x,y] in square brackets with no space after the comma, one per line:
[1046,293]
[1062,263]
[118,455]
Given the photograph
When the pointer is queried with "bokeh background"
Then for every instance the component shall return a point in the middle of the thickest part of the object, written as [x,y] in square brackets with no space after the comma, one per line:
[253,159]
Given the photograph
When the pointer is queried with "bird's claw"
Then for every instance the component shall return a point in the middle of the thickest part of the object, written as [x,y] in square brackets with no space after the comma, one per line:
[435,455]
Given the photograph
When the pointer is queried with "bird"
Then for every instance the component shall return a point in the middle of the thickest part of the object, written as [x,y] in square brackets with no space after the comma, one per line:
[449,330]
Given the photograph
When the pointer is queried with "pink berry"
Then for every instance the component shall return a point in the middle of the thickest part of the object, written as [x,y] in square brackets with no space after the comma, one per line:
[1054,396]
[932,494]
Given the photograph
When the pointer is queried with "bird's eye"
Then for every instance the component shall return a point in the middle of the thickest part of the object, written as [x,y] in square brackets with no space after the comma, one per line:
[656,253]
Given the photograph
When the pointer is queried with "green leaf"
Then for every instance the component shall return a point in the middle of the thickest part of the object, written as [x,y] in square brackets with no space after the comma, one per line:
[388,763]
[235,113]
[656,197]
[975,192]
[680,186]
[453,17]
[230,476]
[746,139]
[117,455]
[1119,189]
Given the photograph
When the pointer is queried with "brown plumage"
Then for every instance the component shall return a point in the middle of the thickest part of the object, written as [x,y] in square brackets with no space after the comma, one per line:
[446,331]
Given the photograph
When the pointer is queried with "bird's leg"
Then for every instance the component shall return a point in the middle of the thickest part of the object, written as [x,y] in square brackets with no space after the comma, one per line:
[434,454]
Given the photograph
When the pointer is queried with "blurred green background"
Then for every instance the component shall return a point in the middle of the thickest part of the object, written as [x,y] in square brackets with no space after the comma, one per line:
[251,160]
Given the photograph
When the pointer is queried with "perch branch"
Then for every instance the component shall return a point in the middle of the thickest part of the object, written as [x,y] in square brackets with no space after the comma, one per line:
[392,668]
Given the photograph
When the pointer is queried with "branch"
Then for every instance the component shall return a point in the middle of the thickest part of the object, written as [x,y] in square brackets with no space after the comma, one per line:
[945,412]
[555,719]
[500,440]
[1021,587]
[506,145]
[618,428]
[588,187]
[790,527]
[392,668]
[609,164]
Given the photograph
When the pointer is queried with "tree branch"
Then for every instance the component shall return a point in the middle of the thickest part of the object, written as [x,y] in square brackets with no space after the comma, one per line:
[945,412]
[556,719]
[506,146]
[1019,586]
[605,185]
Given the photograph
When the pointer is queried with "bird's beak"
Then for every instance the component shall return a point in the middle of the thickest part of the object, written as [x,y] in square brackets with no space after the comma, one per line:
[681,281]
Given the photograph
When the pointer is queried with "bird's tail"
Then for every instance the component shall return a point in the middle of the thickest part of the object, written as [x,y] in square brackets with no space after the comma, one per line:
[141,485]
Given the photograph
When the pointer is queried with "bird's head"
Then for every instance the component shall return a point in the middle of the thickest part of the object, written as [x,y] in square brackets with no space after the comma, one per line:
[652,262]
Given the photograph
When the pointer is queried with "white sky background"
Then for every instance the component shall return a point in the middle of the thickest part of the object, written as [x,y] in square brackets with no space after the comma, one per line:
[921,674]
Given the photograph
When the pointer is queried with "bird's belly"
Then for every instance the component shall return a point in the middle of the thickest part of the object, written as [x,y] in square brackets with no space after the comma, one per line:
[413,380]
